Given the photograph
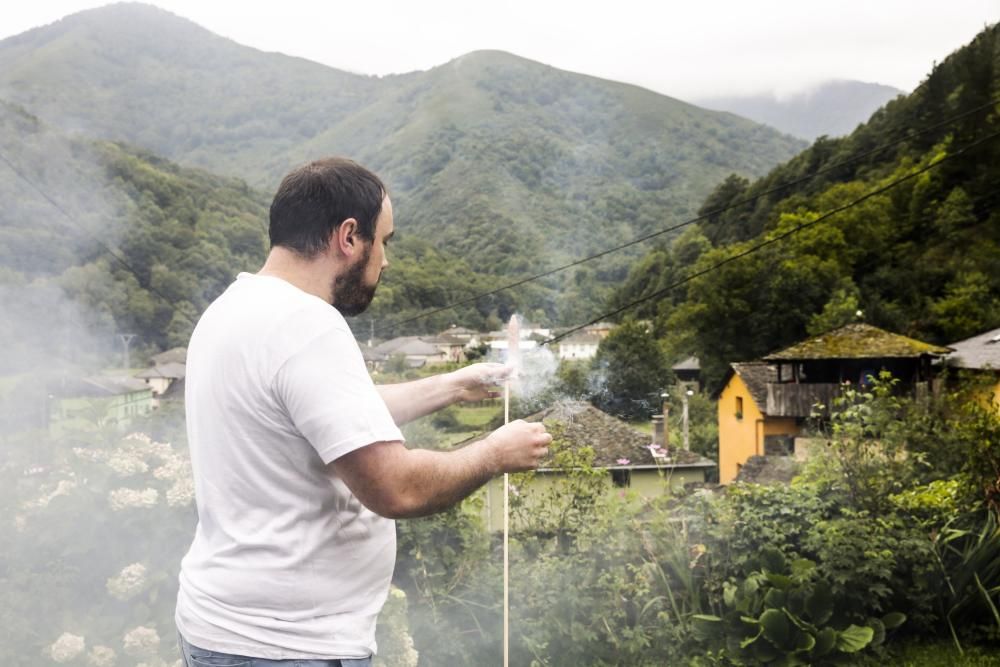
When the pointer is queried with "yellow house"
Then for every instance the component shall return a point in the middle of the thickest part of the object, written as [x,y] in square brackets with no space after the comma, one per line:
[744,427]
[981,354]
[623,458]
[763,405]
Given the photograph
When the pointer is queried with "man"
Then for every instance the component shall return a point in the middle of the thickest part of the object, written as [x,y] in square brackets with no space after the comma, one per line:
[299,464]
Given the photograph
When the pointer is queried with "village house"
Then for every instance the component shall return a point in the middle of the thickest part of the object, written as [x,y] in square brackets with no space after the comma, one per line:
[416,352]
[578,346]
[160,377]
[628,458]
[79,402]
[763,406]
[981,356]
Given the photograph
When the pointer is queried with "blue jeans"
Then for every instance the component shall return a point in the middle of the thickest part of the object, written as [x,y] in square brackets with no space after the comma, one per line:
[192,656]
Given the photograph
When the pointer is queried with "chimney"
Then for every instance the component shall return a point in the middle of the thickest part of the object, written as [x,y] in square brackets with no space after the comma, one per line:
[658,430]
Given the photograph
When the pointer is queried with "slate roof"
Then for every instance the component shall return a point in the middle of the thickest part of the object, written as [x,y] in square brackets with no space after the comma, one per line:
[755,375]
[101,385]
[175,355]
[171,371]
[583,425]
[979,352]
[689,364]
[857,341]
[408,345]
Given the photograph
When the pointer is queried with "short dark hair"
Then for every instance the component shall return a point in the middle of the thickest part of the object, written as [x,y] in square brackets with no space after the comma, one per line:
[314,199]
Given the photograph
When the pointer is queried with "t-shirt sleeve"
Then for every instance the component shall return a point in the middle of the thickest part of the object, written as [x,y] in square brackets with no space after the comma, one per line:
[331,399]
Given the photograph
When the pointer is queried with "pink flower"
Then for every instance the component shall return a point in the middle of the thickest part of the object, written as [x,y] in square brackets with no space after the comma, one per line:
[623,462]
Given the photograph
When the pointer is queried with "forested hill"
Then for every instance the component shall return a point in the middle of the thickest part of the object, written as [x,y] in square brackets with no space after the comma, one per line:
[98,239]
[512,163]
[922,259]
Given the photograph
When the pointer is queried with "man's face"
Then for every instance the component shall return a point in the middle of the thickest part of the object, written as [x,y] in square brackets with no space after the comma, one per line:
[354,290]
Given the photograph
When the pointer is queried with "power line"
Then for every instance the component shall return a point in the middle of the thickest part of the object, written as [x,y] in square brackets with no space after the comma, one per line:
[77,225]
[774,239]
[667,230]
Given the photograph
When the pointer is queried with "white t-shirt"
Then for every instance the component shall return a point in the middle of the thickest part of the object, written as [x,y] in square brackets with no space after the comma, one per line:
[286,562]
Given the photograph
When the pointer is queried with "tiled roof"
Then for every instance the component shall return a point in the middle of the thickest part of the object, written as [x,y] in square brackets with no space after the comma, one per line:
[857,341]
[581,425]
[982,351]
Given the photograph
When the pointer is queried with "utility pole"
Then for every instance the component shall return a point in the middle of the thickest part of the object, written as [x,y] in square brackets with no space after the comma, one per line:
[684,418]
[127,341]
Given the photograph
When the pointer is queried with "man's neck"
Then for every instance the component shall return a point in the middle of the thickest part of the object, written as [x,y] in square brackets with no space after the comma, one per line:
[309,275]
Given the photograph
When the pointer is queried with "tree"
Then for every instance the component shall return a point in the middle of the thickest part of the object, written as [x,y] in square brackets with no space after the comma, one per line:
[630,372]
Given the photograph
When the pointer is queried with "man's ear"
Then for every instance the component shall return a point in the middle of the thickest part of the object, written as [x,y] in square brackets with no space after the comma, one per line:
[345,238]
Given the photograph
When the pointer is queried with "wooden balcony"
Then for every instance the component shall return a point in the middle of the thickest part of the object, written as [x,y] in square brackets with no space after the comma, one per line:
[799,400]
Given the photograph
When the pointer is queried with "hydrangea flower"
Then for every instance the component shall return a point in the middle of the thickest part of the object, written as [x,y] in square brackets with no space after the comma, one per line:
[67,647]
[129,582]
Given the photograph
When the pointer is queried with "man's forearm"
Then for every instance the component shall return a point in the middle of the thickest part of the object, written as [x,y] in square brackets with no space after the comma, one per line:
[443,479]
[411,400]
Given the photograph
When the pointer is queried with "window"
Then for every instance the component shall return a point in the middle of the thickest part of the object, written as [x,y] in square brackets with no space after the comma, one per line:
[622,478]
[739,407]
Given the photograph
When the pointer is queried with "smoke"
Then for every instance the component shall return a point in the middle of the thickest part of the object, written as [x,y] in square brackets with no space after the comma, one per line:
[533,378]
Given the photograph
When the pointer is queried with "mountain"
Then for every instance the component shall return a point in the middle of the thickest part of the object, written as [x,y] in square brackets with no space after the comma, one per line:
[506,162]
[921,259]
[834,108]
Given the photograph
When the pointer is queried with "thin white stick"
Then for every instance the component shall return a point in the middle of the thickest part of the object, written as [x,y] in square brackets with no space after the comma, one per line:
[506,531]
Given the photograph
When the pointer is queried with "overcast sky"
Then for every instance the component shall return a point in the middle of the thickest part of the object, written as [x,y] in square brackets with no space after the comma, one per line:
[687,48]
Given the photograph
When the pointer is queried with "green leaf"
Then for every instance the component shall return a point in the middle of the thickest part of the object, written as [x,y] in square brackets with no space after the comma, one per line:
[729,594]
[819,604]
[826,639]
[775,598]
[779,581]
[804,642]
[802,567]
[776,628]
[707,627]
[854,638]
[893,620]
[765,652]
[879,637]
[772,560]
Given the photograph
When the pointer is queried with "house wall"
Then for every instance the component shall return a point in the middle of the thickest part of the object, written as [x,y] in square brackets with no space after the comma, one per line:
[741,437]
[646,483]
[74,414]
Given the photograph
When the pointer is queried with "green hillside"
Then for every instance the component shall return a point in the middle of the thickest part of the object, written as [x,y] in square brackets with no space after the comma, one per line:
[110,239]
[922,259]
[508,163]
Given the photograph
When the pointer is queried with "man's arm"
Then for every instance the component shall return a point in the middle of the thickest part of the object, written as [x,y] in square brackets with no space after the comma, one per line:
[411,400]
[399,483]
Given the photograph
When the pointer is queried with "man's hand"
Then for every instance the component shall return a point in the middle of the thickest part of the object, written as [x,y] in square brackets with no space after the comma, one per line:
[399,483]
[519,445]
[478,381]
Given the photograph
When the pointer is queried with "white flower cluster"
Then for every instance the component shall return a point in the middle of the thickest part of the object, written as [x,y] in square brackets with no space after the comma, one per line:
[90,455]
[181,494]
[174,467]
[129,582]
[126,463]
[146,446]
[102,656]
[177,468]
[126,498]
[67,647]
[63,488]
[141,641]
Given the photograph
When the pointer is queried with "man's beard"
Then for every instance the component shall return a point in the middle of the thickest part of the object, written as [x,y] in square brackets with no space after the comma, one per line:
[351,296]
